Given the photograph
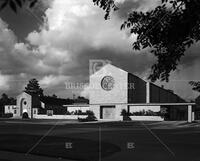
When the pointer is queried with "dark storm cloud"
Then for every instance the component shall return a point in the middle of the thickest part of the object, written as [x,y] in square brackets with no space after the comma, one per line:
[191,55]
[132,62]
[135,5]
[126,7]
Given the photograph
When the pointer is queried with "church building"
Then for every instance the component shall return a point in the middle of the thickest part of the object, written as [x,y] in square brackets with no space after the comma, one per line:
[113,89]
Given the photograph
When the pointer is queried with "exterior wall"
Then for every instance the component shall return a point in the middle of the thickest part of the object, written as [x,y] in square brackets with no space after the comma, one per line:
[11,109]
[70,117]
[96,110]
[154,93]
[146,108]
[35,112]
[36,103]
[22,107]
[119,109]
[118,94]
[146,118]
[197,111]
[74,108]
[138,93]
[100,97]
[178,112]
[160,95]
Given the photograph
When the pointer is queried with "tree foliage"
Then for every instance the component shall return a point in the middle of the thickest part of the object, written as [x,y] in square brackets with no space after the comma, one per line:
[15,4]
[33,87]
[107,5]
[5,100]
[195,85]
[168,30]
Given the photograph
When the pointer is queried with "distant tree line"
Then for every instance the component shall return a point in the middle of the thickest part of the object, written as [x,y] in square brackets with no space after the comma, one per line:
[5,100]
[51,102]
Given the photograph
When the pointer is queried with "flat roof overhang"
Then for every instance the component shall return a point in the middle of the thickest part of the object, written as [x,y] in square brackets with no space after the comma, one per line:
[146,104]
[133,104]
[77,105]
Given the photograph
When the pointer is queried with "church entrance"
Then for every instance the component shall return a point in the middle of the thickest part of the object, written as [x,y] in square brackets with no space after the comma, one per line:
[25,115]
[107,112]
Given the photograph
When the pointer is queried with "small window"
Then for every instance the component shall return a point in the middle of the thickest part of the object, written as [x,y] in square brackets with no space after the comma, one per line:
[35,111]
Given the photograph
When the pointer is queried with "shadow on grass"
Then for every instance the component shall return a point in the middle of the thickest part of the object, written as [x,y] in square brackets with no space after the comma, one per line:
[52,146]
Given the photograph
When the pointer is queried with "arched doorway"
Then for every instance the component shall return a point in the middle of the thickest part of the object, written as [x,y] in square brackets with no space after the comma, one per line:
[25,115]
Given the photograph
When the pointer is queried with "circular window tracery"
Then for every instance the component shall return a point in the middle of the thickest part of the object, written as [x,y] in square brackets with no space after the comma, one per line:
[107,83]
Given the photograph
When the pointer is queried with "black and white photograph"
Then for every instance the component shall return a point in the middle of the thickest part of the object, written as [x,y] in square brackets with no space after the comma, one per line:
[99,80]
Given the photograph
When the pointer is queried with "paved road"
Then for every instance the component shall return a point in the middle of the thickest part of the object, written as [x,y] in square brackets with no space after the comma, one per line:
[13,156]
[117,141]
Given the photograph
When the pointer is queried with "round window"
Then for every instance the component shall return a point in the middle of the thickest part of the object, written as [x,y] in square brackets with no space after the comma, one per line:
[107,83]
[25,102]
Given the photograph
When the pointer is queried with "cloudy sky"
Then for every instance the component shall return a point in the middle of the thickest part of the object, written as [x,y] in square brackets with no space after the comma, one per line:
[55,41]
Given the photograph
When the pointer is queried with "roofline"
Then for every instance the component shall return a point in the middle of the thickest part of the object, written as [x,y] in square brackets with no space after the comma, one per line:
[150,104]
[111,66]
[77,105]
[10,105]
[136,104]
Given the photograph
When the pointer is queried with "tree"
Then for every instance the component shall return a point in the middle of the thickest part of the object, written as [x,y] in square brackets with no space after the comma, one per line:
[12,101]
[33,87]
[2,103]
[5,100]
[15,4]
[168,30]
[54,96]
[195,85]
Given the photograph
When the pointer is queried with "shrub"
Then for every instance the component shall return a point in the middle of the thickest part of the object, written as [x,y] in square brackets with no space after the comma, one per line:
[151,113]
[42,111]
[147,113]
[139,113]
[88,112]
[126,118]
[90,117]
[79,112]
[68,113]
[125,115]
[7,115]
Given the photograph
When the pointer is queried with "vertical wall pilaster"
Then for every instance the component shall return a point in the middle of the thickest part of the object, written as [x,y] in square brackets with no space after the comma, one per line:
[147,92]
[189,113]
